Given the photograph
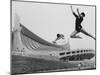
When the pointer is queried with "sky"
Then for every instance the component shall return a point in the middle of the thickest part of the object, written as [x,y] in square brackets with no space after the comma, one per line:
[46,20]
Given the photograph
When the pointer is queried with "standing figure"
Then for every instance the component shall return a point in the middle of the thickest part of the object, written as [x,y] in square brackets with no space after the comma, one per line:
[78,27]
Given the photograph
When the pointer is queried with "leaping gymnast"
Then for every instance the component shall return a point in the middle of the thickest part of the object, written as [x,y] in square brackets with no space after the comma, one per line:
[78,27]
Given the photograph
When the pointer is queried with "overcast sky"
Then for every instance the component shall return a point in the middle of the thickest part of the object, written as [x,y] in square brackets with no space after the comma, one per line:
[46,20]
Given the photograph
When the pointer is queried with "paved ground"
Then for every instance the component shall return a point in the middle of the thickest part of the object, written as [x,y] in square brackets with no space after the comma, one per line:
[26,65]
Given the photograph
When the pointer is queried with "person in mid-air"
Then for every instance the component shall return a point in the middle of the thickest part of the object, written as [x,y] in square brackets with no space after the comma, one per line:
[78,27]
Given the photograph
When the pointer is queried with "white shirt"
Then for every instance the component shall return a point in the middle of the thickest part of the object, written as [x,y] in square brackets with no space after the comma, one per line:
[60,41]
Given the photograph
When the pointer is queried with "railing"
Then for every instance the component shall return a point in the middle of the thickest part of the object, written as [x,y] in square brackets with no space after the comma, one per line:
[70,53]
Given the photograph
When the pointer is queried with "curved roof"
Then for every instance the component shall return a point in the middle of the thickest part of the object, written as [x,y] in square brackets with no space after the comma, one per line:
[33,36]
